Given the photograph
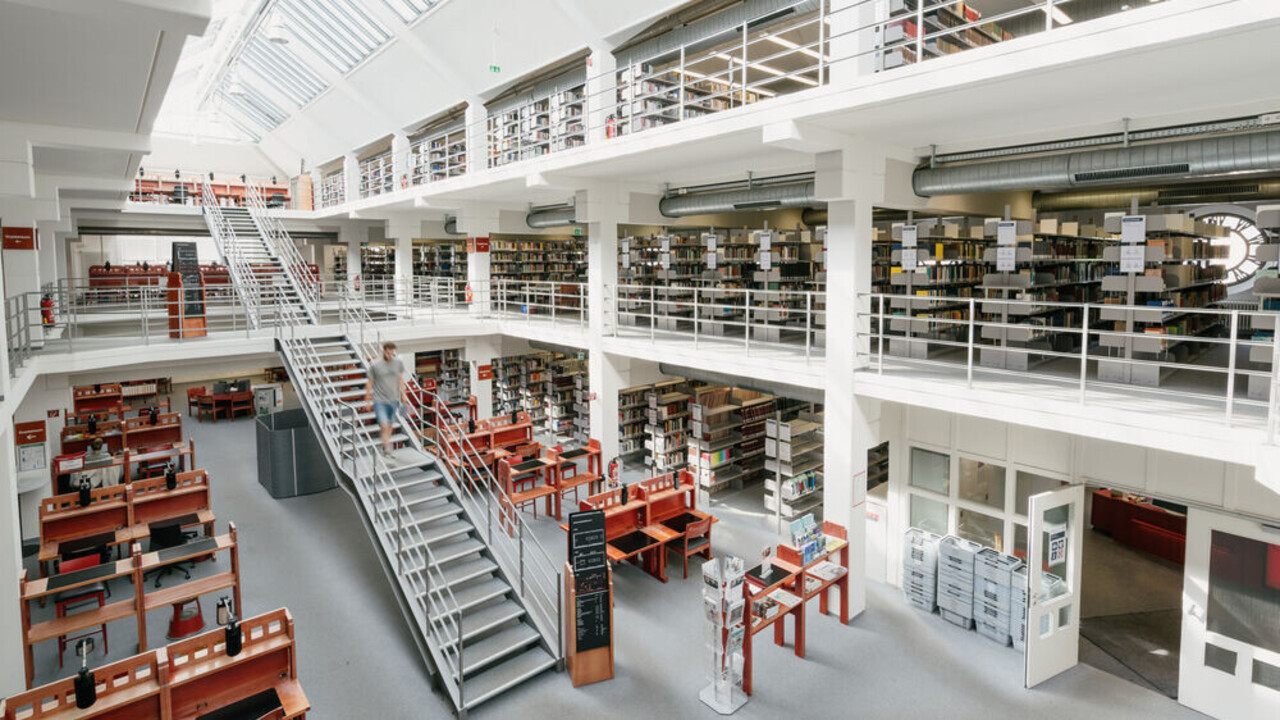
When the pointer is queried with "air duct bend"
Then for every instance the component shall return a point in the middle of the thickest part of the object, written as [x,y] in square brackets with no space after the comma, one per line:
[798,195]
[555,217]
[1171,161]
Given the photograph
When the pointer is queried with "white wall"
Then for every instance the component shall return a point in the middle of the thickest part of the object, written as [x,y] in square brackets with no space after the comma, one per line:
[170,153]
[92,250]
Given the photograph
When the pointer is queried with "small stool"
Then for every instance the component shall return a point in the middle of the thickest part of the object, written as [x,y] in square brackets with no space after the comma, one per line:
[70,600]
[188,619]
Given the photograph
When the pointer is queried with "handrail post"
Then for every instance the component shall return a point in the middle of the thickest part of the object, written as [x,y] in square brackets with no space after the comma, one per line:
[746,300]
[696,324]
[653,314]
[808,315]
[1084,353]
[521,529]
[1231,365]
[969,362]
[880,333]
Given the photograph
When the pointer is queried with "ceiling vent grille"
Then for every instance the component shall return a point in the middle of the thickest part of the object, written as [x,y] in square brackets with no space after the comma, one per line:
[1132,173]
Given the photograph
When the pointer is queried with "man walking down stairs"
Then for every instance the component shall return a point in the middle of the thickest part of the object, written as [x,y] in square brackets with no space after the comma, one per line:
[384,392]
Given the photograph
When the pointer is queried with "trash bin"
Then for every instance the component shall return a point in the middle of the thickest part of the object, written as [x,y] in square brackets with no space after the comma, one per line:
[291,461]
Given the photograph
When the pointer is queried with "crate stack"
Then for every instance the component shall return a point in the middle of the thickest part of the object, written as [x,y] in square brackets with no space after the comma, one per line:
[1018,607]
[956,559]
[920,569]
[992,594]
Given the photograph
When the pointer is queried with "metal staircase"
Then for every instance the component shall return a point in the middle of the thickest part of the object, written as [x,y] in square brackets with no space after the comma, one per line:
[277,241]
[264,284]
[482,598]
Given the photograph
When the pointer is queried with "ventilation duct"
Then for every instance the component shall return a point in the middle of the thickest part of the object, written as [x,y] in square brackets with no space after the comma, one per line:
[1171,161]
[772,387]
[814,216]
[1167,196]
[768,197]
[451,226]
[540,218]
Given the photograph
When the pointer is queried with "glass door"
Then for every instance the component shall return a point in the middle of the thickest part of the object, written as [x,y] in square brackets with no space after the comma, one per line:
[1056,520]
[1230,663]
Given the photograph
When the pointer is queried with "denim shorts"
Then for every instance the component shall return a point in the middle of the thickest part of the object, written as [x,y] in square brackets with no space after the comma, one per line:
[385,412]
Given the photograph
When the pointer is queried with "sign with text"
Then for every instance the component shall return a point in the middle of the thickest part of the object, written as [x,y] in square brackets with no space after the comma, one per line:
[484,372]
[910,236]
[666,244]
[710,239]
[766,240]
[1133,228]
[909,259]
[25,433]
[19,238]
[1133,258]
[1007,232]
[1007,258]
[711,260]
[1057,545]
[478,245]
[589,560]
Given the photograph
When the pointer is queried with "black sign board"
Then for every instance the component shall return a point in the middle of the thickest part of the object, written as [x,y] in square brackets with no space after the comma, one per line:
[187,264]
[591,579]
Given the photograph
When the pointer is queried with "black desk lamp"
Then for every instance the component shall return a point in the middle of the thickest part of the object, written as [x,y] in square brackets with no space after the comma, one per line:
[154,415]
[92,422]
[231,633]
[170,477]
[85,494]
[86,686]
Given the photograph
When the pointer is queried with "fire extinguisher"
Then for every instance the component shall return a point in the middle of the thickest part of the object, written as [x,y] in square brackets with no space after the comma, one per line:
[615,472]
[46,310]
[610,127]
[404,181]
[357,282]
[469,292]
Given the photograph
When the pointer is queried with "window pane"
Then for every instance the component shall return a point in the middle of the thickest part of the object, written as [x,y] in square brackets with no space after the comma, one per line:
[928,514]
[982,483]
[1244,590]
[983,529]
[1029,484]
[1020,541]
[931,471]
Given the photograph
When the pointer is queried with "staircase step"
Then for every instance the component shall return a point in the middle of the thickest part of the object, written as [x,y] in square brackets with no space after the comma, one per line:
[490,650]
[500,678]
[480,620]
[470,595]
[454,551]
[426,513]
[445,530]
[470,570]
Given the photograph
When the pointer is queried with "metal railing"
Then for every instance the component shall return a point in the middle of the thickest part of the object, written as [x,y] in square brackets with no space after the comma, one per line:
[1205,357]
[744,317]
[243,279]
[161,188]
[286,252]
[556,301]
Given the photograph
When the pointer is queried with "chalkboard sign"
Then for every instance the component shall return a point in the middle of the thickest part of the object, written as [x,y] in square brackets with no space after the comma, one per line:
[591,579]
[187,264]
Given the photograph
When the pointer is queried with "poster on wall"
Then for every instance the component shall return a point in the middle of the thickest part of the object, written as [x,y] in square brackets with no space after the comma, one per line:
[1057,545]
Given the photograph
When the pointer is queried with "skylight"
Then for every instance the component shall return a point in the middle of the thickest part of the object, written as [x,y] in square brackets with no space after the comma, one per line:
[410,10]
[282,70]
[340,31]
[253,105]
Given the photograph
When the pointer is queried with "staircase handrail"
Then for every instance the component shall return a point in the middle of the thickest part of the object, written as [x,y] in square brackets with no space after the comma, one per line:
[224,236]
[280,243]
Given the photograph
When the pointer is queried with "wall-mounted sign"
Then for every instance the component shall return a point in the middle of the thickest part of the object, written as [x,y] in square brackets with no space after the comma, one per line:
[478,245]
[26,433]
[19,238]
[484,372]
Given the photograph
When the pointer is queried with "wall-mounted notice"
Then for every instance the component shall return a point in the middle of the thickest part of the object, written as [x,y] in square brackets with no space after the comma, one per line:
[1007,258]
[910,236]
[1133,258]
[1007,232]
[908,259]
[1133,228]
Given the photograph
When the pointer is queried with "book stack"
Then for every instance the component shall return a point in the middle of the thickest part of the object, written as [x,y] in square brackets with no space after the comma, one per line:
[920,569]
[992,596]
[955,580]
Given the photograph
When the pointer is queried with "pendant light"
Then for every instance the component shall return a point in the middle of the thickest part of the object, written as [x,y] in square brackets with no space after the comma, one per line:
[276,30]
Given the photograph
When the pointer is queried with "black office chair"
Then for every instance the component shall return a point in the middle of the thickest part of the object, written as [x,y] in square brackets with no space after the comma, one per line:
[165,536]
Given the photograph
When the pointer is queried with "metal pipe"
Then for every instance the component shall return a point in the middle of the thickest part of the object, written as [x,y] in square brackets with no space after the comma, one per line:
[794,195]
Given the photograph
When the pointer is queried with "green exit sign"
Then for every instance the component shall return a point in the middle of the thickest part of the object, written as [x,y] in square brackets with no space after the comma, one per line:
[495,69]
[577,232]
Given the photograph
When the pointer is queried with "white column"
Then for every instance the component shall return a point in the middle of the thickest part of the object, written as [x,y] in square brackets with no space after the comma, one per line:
[351,176]
[478,222]
[12,679]
[603,209]
[850,182]
[353,236]
[400,160]
[22,267]
[403,229]
[482,351]
[477,135]
[602,74]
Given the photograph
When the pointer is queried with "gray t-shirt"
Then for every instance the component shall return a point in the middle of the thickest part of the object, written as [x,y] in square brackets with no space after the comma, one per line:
[386,379]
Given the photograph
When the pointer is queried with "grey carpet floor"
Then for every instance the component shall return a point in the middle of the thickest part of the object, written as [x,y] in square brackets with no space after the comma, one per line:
[356,658]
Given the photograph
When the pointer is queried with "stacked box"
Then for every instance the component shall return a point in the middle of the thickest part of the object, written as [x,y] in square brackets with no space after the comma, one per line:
[992,595]
[955,579]
[920,569]
[1018,607]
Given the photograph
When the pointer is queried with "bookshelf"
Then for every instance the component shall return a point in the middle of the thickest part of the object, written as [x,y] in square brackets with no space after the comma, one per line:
[333,189]
[793,452]
[1178,272]
[376,175]
[440,259]
[789,263]
[727,437]
[538,259]
[582,407]
[949,265]
[668,424]
[549,122]
[377,261]
[1266,288]
[560,395]
[899,35]
[633,416]
[438,155]
[655,94]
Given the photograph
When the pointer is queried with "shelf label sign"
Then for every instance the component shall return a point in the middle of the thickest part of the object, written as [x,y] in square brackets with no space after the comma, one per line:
[1007,258]
[484,372]
[666,244]
[626,245]
[710,239]
[1007,232]
[908,258]
[1133,228]
[1133,258]
[666,261]
[910,236]
[626,260]
[766,260]
[766,240]
[711,260]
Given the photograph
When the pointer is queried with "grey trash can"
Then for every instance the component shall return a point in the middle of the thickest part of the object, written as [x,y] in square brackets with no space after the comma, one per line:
[291,461]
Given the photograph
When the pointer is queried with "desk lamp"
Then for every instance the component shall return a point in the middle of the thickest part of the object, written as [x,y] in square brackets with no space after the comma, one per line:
[227,617]
[624,494]
[86,686]
[154,415]
[92,422]
[97,387]
[85,495]
[170,477]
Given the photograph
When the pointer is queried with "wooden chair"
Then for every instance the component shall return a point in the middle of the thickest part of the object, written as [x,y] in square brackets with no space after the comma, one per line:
[697,541]
[241,402]
[193,398]
[205,404]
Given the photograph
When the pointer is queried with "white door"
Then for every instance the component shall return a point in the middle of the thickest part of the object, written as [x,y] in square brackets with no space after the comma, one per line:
[1230,661]
[1056,521]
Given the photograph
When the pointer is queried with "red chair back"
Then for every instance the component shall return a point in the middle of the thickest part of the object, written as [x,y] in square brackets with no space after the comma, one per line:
[79,563]
[697,529]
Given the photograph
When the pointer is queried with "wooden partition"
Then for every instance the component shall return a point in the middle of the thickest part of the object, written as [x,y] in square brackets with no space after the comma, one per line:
[130,688]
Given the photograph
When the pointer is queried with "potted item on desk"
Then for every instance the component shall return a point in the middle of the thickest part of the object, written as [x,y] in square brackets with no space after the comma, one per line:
[85,685]
[227,618]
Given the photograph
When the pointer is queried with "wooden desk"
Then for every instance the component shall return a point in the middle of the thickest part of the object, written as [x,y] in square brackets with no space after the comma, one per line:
[139,432]
[202,678]
[183,455]
[133,691]
[780,585]
[536,472]
[85,398]
[77,438]
[153,502]
[563,459]
[62,520]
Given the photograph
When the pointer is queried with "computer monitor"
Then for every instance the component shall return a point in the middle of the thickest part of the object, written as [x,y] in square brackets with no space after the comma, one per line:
[221,388]
[240,386]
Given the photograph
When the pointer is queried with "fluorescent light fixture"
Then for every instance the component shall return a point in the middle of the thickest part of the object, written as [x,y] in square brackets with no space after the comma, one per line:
[769,69]
[794,46]
[699,76]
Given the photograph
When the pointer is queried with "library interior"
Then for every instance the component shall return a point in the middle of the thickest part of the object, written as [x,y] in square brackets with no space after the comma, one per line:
[529,358]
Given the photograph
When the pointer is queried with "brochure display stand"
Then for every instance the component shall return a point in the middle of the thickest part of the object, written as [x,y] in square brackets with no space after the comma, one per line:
[724,603]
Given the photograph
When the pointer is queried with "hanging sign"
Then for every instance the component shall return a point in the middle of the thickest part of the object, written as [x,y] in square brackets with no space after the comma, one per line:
[1133,228]
[909,259]
[1006,258]
[766,260]
[910,235]
[766,239]
[666,244]
[1007,232]
[1133,258]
